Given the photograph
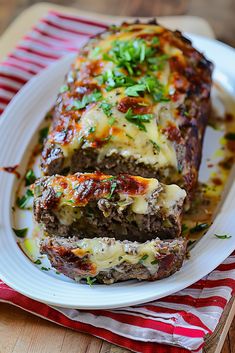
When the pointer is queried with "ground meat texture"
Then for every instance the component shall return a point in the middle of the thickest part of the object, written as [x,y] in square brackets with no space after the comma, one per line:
[101,213]
[62,253]
[76,142]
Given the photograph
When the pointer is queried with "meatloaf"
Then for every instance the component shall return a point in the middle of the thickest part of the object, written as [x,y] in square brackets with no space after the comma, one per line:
[94,204]
[108,260]
[136,100]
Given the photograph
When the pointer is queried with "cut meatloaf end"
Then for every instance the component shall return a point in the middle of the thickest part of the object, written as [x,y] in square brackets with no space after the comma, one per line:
[108,260]
[144,115]
[94,204]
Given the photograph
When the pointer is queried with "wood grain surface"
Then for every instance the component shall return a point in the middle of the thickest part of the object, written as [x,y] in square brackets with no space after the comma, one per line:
[21,332]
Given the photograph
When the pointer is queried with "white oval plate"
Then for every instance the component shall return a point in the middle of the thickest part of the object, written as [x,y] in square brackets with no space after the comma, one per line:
[18,124]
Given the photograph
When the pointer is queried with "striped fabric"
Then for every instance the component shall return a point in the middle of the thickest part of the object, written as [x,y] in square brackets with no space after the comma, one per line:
[175,324]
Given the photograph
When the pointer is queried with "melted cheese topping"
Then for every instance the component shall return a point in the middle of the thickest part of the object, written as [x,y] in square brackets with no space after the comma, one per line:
[140,194]
[91,128]
[106,255]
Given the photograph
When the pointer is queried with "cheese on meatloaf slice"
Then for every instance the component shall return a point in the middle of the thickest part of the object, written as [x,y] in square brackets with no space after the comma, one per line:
[92,205]
[108,260]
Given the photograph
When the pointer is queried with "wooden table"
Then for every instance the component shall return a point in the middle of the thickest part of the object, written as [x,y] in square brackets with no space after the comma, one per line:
[21,332]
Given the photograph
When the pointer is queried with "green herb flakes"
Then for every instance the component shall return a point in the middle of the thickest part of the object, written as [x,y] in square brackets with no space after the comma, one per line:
[143,258]
[199,227]
[114,79]
[87,99]
[154,262]
[184,229]
[108,179]
[112,189]
[106,107]
[38,262]
[45,268]
[134,90]
[129,136]
[20,233]
[30,177]
[95,52]
[224,236]
[91,130]
[156,147]
[128,54]
[90,280]
[43,134]
[155,41]
[64,88]
[23,201]
[155,88]
[138,120]
[58,194]
[111,120]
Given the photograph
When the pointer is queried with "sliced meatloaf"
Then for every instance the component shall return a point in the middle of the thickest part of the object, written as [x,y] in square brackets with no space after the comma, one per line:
[136,100]
[109,260]
[95,205]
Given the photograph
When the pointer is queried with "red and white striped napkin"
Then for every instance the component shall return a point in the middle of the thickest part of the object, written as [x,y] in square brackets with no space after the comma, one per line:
[174,324]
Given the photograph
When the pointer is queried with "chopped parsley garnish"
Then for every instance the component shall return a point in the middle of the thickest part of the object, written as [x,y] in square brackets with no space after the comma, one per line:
[230,136]
[87,99]
[184,229]
[111,120]
[23,201]
[114,79]
[95,52]
[134,90]
[43,134]
[45,268]
[90,280]
[154,262]
[138,120]
[224,236]
[64,88]
[155,88]
[155,41]
[106,107]
[151,85]
[112,189]
[156,147]
[38,262]
[120,258]
[129,136]
[143,258]
[30,177]
[91,130]
[20,233]
[108,179]
[157,62]
[199,227]
[58,194]
[129,54]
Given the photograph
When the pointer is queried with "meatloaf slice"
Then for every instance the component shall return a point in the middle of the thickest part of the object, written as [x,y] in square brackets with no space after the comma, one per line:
[109,260]
[122,207]
[136,100]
